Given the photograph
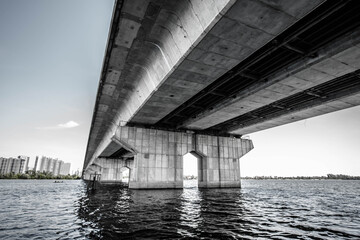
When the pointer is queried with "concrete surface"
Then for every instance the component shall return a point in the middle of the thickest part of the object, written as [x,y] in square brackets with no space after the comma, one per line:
[158,159]
[162,53]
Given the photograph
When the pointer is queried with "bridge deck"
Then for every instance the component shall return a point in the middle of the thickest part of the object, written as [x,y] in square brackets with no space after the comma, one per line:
[225,67]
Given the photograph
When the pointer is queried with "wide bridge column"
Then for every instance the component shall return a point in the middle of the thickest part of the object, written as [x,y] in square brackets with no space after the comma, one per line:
[158,157]
[110,170]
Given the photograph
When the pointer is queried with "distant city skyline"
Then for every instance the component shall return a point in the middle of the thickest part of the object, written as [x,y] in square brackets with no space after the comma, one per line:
[51,55]
[54,166]
[41,164]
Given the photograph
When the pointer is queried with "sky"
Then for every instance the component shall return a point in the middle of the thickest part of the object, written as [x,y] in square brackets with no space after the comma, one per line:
[313,147]
[51,55]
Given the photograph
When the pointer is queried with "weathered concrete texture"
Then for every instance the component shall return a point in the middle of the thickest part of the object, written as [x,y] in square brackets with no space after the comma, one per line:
[158,162]
[153,39]
[332,106]
[179,26]
[110,170]
[334,60]
[110,149]
[167,51]
[245,27]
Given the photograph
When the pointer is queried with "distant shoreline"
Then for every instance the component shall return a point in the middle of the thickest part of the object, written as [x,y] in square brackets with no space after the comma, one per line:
[31,175]
[324,179]
[57,179]
[328,177]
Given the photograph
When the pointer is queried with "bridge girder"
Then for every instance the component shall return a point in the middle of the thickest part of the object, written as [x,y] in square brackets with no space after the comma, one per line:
[225,67]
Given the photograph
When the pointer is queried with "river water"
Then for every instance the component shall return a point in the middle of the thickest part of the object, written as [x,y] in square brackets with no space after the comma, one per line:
[262,209]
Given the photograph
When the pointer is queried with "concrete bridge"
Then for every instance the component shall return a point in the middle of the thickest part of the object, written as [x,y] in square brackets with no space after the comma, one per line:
[195,76]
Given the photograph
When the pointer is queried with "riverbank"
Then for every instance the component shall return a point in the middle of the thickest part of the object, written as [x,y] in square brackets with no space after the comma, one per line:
[328,177]
[38,175]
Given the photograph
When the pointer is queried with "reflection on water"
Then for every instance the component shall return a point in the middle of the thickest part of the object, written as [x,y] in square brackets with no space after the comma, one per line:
[190,209]
[260,210]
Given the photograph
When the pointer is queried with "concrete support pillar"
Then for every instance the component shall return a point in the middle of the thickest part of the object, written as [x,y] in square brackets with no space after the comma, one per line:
[158,157]
[221,160]
[158,162]
[110,170]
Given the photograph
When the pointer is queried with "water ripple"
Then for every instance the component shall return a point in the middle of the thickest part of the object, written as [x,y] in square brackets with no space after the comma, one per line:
[260,210]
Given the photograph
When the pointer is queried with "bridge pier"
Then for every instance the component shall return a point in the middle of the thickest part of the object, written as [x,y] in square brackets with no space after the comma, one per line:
[110,171]
[158,158]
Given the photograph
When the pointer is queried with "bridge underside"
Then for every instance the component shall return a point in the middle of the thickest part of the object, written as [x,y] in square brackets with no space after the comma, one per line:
[223,68]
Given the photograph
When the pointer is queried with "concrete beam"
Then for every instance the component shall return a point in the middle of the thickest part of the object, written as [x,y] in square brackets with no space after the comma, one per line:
[335,59]
[309,112]
[245,27]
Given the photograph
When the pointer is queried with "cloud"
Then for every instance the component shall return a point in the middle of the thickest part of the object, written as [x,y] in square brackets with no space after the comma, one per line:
[69,124]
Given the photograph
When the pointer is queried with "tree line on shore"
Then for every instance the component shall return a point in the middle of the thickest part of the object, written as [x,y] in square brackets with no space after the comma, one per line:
[37,175]
[327,177]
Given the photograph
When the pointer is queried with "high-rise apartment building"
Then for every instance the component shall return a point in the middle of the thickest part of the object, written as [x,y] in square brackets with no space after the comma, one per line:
[54,166]
[12,165]
[65,169]
[36,162]
[27,159]
[46,164]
